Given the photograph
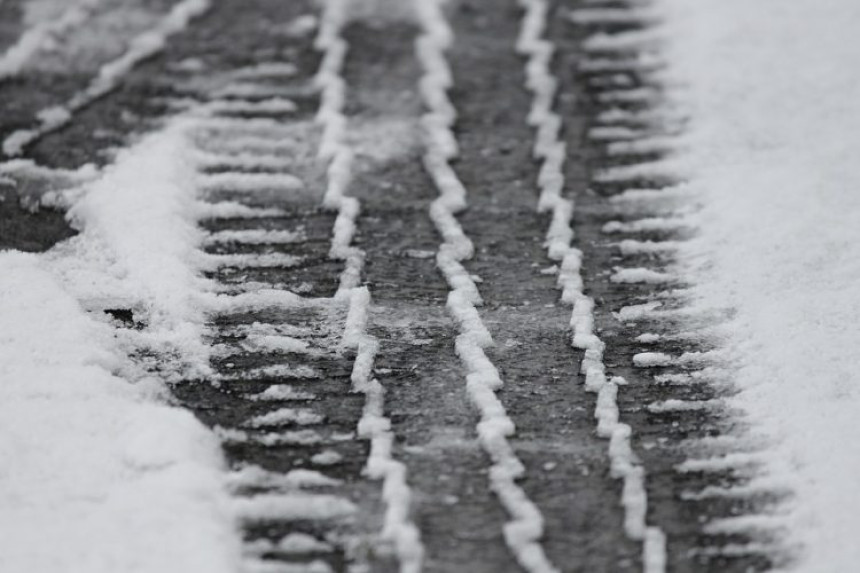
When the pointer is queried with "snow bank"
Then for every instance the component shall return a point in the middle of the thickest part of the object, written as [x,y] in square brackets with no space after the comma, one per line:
[97,475]
[773,91]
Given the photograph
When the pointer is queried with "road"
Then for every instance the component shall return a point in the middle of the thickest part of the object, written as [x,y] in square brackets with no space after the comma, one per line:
[429,197]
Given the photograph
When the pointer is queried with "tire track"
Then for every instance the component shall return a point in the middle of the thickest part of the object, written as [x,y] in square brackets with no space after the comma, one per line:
[281,397]
[374,426]
[313,331]
[552,150]
[524,529]
[416,362]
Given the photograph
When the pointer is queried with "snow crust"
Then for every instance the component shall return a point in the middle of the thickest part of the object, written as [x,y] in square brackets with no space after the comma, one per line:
[773,93]
[99,474]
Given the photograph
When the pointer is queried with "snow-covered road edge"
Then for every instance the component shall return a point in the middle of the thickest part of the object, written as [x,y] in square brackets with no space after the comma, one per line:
[100,474]
[772,90]
[104,475]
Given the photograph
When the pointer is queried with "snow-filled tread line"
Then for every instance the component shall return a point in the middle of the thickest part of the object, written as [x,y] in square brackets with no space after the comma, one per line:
[397,529]
[525,528]
[552,151]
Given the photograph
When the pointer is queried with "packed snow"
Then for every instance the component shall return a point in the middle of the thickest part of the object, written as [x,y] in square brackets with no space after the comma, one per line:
[772,89]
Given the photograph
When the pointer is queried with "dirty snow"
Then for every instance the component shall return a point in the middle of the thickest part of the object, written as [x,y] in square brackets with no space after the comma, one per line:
[773,93]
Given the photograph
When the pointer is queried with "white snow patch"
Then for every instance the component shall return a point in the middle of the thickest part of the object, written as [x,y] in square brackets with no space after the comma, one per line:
[291,544]
[284,416]
[250,476]
[772,90]
[326,458]
[99,475]
[274,371]
[641,275]
[138,246]
[293,506]
[282,392]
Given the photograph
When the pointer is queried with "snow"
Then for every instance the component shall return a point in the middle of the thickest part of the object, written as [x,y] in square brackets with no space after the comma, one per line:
[138,248]
[84,447]
[257,477]
[651,359]
[640,275]
[233,210]
[283,417]
[275,371]
[274,105]
[326,458]
[256,237]
[291,544]
[634,247]
[250,182]
[772,89]
[647,225]
[283,392]
[270,566]
[293,506]
[290,437]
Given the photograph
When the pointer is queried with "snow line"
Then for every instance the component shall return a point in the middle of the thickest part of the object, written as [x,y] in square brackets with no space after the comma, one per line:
[31,41]
[144,46]
[524,530]
[373,425]
[550,149]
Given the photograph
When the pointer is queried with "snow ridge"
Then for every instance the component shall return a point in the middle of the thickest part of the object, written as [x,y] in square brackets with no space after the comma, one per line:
[550,149]
[524,530]
[397,527]
[110,75]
